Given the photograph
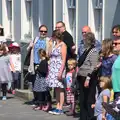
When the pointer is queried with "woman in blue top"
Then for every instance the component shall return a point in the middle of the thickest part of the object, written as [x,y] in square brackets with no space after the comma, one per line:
[108,57]
[41,42]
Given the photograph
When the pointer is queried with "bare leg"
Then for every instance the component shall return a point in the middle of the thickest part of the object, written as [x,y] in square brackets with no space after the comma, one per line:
[61,93]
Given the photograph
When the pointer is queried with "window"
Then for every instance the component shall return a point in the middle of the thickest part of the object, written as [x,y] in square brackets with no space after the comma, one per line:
[72,3]
[99,4]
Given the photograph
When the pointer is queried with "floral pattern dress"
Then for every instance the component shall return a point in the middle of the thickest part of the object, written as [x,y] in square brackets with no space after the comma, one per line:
[54,68]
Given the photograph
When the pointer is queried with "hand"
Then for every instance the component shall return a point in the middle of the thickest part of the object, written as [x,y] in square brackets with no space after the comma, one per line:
[59,76]
[31,44]
[103,117]
[93,106]
[86,84]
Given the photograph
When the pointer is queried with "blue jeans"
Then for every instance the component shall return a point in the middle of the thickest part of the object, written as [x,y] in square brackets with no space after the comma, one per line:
[109,117]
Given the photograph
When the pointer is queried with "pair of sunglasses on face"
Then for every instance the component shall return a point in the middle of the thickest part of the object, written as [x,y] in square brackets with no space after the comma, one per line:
[43,31]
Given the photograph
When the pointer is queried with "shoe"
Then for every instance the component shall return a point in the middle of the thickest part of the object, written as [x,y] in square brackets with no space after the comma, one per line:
[53,111]
[38,108]
[13,92]
[58,112]
[70,113]
[4,98]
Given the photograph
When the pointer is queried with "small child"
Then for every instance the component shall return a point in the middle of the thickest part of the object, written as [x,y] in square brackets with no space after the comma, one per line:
[15,55]
[5,73]
[40,85]
[70,78]
[104,96]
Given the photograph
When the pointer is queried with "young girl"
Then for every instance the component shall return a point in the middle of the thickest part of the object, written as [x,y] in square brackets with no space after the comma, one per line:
[15,55]
[104,96]
[70,78]
[40,85]
[5,73]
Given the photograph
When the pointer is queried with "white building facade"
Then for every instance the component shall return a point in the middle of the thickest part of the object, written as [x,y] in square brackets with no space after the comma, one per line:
[21,18]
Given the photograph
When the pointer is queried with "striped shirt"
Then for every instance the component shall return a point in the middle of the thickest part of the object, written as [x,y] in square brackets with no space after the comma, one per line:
[90,63]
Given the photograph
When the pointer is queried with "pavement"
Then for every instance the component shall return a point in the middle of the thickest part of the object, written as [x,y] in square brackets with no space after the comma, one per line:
[15,109]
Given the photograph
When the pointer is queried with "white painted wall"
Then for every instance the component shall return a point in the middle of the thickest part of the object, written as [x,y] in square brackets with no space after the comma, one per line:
[5,17]
[0,11]
[24,21]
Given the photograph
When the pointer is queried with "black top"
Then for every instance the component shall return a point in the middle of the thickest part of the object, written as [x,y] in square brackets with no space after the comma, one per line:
[43,68]
[68,40]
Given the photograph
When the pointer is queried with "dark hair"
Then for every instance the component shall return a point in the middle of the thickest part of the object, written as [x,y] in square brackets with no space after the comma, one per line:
[90,39]
[117,27]
[57,34]
[2,32]
[61,23]
[107,47]
[3,48]
[43,26]
[43,53]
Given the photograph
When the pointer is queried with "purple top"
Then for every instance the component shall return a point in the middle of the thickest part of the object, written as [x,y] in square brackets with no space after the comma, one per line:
[107,63]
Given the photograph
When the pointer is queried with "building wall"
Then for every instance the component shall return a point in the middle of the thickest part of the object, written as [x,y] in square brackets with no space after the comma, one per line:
[0,12]
[50,11]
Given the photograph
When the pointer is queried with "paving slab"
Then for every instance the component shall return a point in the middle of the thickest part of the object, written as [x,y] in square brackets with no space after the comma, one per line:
[15,109]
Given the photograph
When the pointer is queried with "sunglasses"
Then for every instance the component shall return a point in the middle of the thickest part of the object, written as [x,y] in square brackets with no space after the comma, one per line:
[43,31]
[116,44]
[84,32]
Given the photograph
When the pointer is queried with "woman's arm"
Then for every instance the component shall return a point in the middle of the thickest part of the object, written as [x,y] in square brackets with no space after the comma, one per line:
[30,45]
[63,54]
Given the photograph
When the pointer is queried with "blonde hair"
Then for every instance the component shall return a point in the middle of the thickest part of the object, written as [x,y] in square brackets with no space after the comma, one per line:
[107,81]
[72,61]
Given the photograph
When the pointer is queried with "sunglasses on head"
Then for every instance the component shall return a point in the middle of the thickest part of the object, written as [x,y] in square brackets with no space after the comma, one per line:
[43,31]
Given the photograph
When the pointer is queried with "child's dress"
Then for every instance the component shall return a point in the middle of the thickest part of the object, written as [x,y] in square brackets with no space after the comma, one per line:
[40,85]
[5,72]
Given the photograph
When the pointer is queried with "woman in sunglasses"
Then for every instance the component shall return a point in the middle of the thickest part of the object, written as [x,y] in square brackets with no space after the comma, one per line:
[40,42]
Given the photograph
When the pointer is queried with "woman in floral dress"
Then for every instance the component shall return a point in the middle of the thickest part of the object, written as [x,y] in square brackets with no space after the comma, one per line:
[56,69]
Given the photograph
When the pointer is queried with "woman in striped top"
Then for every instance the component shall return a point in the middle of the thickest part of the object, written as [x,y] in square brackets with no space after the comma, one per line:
[86,79]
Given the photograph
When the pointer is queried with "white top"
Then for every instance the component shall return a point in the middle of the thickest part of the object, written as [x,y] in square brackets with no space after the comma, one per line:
[16,60]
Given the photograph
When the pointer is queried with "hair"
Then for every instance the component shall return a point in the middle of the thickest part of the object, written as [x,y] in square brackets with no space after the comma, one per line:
[3,48]
[43,53]
[43,26]
[117,27]
[2,32]
[90,39]
[107,81]
[61,23]
[72,61]
[107,47]
[57,34]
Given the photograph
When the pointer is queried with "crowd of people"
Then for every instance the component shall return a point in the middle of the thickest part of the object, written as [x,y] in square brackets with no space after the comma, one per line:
[91,75]
[10,66]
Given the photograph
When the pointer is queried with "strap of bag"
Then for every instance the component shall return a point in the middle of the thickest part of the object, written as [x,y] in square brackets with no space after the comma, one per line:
[83,56]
